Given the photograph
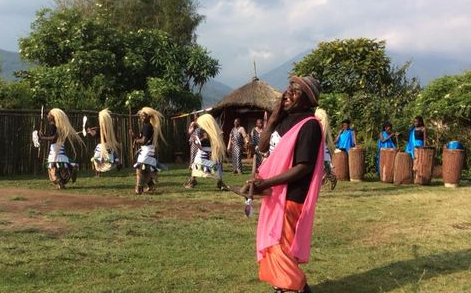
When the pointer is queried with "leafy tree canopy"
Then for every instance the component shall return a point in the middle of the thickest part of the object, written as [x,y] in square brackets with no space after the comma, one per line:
[359,82]
[447,99]
[178,18]
[87,62]
[349,66]
[445,105]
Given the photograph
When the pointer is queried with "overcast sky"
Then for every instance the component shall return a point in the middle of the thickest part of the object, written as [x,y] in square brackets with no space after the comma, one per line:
[237,32]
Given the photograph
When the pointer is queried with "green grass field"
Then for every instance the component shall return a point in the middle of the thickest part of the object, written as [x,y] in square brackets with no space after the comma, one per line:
[368,237]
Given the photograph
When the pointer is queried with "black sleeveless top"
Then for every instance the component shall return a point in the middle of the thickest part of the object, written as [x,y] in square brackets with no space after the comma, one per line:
[419,135]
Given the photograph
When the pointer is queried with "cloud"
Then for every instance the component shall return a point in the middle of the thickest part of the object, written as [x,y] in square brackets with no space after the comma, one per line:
[274,31]
[237,32]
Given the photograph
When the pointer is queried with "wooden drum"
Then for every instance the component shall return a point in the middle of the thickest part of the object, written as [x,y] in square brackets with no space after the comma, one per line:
[340,162]
[386,165]
[356,163]
[423,165]
[437,171]
[402,169]
[453,162]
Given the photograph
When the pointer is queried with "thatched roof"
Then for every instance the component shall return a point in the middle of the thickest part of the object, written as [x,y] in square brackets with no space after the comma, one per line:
[255,94]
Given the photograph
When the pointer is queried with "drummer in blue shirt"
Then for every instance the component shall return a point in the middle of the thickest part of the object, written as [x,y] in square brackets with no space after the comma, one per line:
[417,136]
[347,137]
[386,140]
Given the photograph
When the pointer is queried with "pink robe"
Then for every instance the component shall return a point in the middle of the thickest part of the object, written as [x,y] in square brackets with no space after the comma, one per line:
[270,222]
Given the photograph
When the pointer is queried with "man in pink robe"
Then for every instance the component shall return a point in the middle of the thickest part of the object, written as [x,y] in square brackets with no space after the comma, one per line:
[293,172]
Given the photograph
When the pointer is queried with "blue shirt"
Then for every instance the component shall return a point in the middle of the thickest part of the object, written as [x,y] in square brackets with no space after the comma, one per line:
[346,140]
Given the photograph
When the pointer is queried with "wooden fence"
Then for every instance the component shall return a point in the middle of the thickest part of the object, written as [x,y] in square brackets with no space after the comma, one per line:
[19,156]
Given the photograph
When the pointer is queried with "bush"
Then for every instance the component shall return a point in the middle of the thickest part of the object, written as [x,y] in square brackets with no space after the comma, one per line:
[445,104]
[16,95]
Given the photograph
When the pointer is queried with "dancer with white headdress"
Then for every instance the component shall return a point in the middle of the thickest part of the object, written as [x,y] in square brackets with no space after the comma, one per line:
[105,157]
[329,148]
[211,152]
[60,168]
[147,163]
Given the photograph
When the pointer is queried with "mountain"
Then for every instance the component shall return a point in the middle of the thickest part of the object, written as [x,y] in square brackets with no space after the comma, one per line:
[425,67]
[9,63]
[213,92]
[278,77]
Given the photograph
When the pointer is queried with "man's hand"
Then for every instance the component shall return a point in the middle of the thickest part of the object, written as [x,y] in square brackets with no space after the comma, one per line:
[275,118]
[277,110]
[259,184]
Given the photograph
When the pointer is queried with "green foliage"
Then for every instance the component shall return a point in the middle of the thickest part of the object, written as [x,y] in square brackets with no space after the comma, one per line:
[200,66]
[371,152]
[178,18]
[446,105]
[359,83]
[15,95]
[170,98]
[88,63]
[448,100]
[348,66]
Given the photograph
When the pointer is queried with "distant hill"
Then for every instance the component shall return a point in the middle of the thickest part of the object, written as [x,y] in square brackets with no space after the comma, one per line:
[213,92]
[10,62]
[430,67]
[278,77]
[425,67]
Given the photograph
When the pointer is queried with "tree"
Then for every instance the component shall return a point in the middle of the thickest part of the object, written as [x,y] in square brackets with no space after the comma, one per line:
[446,104]
[349,66]
[359,75]
[87,62]
[178,18]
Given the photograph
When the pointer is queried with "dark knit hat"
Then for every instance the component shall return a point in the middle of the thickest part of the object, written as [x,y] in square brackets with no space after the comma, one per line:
[310,86]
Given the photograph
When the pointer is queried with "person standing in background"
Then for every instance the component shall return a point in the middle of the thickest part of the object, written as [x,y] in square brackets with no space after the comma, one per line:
[237,141]
[255,139]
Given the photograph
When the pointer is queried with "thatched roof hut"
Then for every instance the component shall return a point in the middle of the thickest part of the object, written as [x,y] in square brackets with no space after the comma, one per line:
[255,94]
[248,103]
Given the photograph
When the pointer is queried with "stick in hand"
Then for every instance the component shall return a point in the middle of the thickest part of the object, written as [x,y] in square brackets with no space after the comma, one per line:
[41,129]
[248,202]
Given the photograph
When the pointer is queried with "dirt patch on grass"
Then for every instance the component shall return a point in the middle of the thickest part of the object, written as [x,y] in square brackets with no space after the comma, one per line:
[193,209]
[23,200]
[26,209]
[462,226]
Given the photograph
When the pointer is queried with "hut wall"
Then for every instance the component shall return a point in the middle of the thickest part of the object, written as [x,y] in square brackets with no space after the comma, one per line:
[19,156]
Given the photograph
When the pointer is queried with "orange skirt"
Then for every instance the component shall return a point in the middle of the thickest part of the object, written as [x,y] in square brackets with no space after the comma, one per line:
[278,267]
